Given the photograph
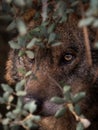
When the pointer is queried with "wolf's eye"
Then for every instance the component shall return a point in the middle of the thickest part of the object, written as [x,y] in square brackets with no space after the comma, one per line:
[68,57]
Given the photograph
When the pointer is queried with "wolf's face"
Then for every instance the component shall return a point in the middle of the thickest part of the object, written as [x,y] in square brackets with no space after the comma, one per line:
[54,67]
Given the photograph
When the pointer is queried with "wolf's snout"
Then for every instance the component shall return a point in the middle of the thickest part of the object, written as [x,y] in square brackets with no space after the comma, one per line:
[44,107]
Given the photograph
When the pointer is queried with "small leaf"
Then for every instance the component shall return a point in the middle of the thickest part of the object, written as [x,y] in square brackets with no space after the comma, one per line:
[21,93]
[28,73]
[56,44]
[30,54]
[9,1]
[10,115]
[2,100]
[52,37]
[16,111]
[21,53]
[36,118]
[24,113]
[86,21]
[21,27]
[57,100]
[60,112]
[80,126]
[30,106]
[14,45]
[6,121]
[28,123]
[37,29]
[19,85]
[51,28]
[22,41]
[66,88]
[6,96]
[32,43]
[78,97]
[19,103]
[19,3]
[6,87]
[74,3]
[95,24]
[77,109]
[11,26]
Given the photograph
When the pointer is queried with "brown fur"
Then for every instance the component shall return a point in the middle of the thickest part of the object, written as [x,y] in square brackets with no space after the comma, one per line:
[52,69]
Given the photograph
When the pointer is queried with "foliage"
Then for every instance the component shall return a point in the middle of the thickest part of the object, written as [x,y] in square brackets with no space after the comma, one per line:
[17,113]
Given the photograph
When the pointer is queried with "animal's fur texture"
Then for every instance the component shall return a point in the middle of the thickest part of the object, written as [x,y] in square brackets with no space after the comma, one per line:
[54,67]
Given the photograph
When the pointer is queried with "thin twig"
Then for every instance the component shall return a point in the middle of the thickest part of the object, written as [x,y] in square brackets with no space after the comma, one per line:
[86,38]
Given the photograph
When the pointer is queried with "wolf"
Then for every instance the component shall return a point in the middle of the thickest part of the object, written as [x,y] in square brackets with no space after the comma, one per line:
[67,64]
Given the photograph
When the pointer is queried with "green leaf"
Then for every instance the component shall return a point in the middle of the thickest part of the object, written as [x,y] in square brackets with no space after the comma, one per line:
[95,24]
[2,100]
[32,43]
[37,29]
[66,89]
[80,126]
[22,41]
[21,27]
[19,103]
[86,21]
[60,112]
[19,85]
[36,118]
[6,121]
[30,54]
[51,28]
[78,97]
[30,106]
[74,3]
[16,111]
[28,73]
[28,123]
[6,87]
[21,53]
[77,109]
[19,3]
[57,100]
[21,93]
[24,113]
[10,115]
[52,37]
[6,96]
[11,26]
[56,44]
[14,45]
